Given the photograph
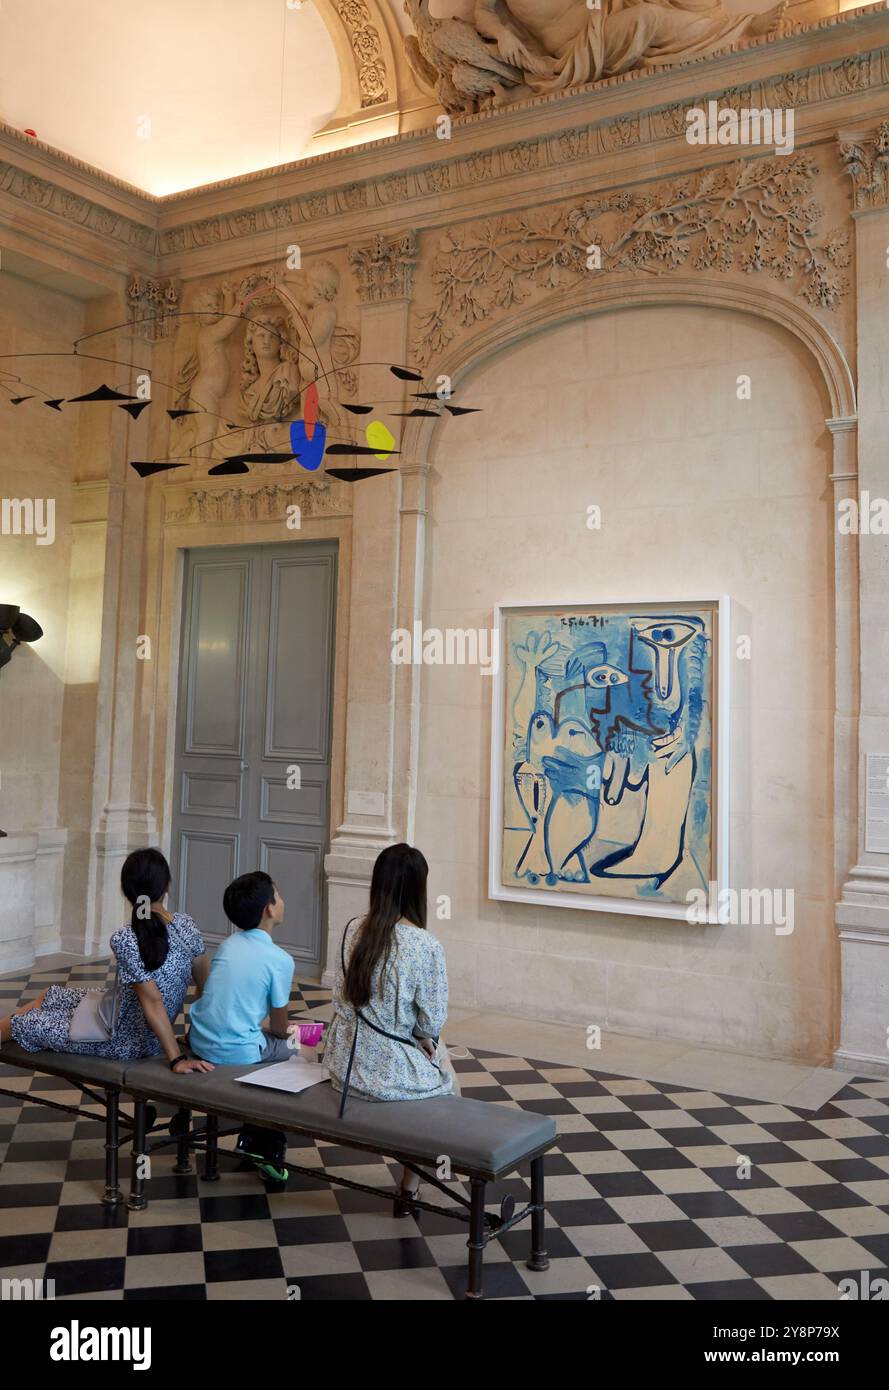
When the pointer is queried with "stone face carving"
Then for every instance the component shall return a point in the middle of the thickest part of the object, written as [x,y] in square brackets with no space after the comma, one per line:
[246,352]
[385,268]
[270,370]
[756,215]
[152,305]
[542,46]
[367,48]
[865,157]
[267,503]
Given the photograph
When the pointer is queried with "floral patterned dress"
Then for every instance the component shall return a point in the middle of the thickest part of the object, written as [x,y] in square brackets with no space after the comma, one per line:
[408,998]
[47,1028]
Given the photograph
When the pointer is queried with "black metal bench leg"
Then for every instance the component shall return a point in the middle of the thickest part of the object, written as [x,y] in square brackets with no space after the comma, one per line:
[211,1151]
[183,1147]
[137,1201]
[476,1237]
[112,1147]
[539,1259]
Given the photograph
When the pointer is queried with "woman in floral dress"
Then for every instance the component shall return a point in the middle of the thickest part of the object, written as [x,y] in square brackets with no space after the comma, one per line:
[157,956]
[390,997]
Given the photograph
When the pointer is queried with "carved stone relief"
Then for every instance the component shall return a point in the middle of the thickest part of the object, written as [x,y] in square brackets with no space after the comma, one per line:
[152,303]
[385,267]
[865,157]
[511,49]
[314,496]
[246,352]
[753,216]
[368,50]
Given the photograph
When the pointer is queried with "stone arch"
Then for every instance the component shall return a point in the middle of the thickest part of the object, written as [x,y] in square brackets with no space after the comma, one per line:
[629,291]
[375,77]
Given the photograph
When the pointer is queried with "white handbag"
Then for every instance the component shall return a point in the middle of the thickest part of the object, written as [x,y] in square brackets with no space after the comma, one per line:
[97,1015]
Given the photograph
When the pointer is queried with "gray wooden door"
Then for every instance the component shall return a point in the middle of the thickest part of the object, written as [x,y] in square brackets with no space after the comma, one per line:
[252,773]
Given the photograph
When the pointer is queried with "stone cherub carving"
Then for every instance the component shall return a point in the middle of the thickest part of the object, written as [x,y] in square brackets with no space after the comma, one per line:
[553,45]
[204,375]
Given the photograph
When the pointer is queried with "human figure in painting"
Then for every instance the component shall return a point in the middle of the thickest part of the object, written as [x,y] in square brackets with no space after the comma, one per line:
[604,753]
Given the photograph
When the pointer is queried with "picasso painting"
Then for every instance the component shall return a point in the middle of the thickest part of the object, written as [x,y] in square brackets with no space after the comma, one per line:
[606,769]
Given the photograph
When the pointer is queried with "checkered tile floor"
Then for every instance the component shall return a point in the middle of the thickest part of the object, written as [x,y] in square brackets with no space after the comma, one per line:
[646,1199]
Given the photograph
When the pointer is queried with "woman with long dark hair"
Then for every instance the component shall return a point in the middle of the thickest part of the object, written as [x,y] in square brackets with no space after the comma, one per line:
[157,957]
[390,996]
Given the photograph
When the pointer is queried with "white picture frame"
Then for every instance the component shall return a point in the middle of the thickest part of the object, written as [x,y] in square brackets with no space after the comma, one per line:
[720,806]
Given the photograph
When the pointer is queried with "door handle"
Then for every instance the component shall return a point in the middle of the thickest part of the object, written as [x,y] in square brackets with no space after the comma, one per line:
[244,766]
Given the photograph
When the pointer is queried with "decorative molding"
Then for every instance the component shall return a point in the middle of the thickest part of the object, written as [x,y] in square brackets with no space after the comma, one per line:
[370,62]
[421,176]
[71,207]
[268,503]
[752,215]
[575,144]
[385,268]
[865,157]
[151,308]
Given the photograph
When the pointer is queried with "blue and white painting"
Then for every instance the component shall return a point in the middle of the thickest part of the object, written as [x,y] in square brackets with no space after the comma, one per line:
[608,751]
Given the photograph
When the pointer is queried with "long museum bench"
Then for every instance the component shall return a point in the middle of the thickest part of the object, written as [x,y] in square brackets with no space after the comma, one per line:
[477,1140]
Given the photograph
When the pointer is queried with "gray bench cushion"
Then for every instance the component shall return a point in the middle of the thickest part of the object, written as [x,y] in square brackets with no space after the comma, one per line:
[93,1070]
[478,1136]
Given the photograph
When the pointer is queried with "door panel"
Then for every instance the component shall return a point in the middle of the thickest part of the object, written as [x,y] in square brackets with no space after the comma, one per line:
[296,868]
[253,735]
[297,723]
[206,860]
[217,659]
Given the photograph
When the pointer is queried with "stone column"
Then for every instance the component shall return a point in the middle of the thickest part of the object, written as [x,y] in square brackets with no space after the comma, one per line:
[119,818]
[375,797]
[863,911]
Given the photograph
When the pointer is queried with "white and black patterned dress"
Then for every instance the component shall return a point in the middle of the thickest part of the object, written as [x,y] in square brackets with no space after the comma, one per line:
[409,997]
[47,1028]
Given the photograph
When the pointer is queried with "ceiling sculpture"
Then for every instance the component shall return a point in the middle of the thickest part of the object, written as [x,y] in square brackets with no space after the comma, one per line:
[506,50]
[216,89]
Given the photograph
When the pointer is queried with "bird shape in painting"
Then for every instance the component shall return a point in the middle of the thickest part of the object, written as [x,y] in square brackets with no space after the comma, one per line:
[554,788]
[452,58]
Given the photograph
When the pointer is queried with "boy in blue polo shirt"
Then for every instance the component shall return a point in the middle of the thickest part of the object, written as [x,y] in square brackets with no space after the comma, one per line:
[250,980]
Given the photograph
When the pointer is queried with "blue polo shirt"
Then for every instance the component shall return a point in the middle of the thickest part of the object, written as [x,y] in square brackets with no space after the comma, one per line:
[249,975]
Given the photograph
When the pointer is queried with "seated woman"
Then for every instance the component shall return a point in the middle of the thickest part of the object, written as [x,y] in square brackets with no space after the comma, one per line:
[390,998]
[157,955]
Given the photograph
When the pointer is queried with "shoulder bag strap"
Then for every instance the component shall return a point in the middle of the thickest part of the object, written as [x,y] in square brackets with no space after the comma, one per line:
[360,1017]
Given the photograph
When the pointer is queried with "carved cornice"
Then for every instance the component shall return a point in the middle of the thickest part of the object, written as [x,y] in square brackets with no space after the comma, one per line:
[413,174]
[385,268]
[314,497]
[750,216]
[54,198]
[865,157]
[574,144]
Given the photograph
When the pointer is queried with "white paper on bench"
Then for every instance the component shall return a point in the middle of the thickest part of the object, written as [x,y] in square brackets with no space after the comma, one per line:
[293,1075]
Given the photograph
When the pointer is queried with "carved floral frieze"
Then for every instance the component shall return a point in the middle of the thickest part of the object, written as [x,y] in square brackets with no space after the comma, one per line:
[368,50]
[314,496]
[755,216]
